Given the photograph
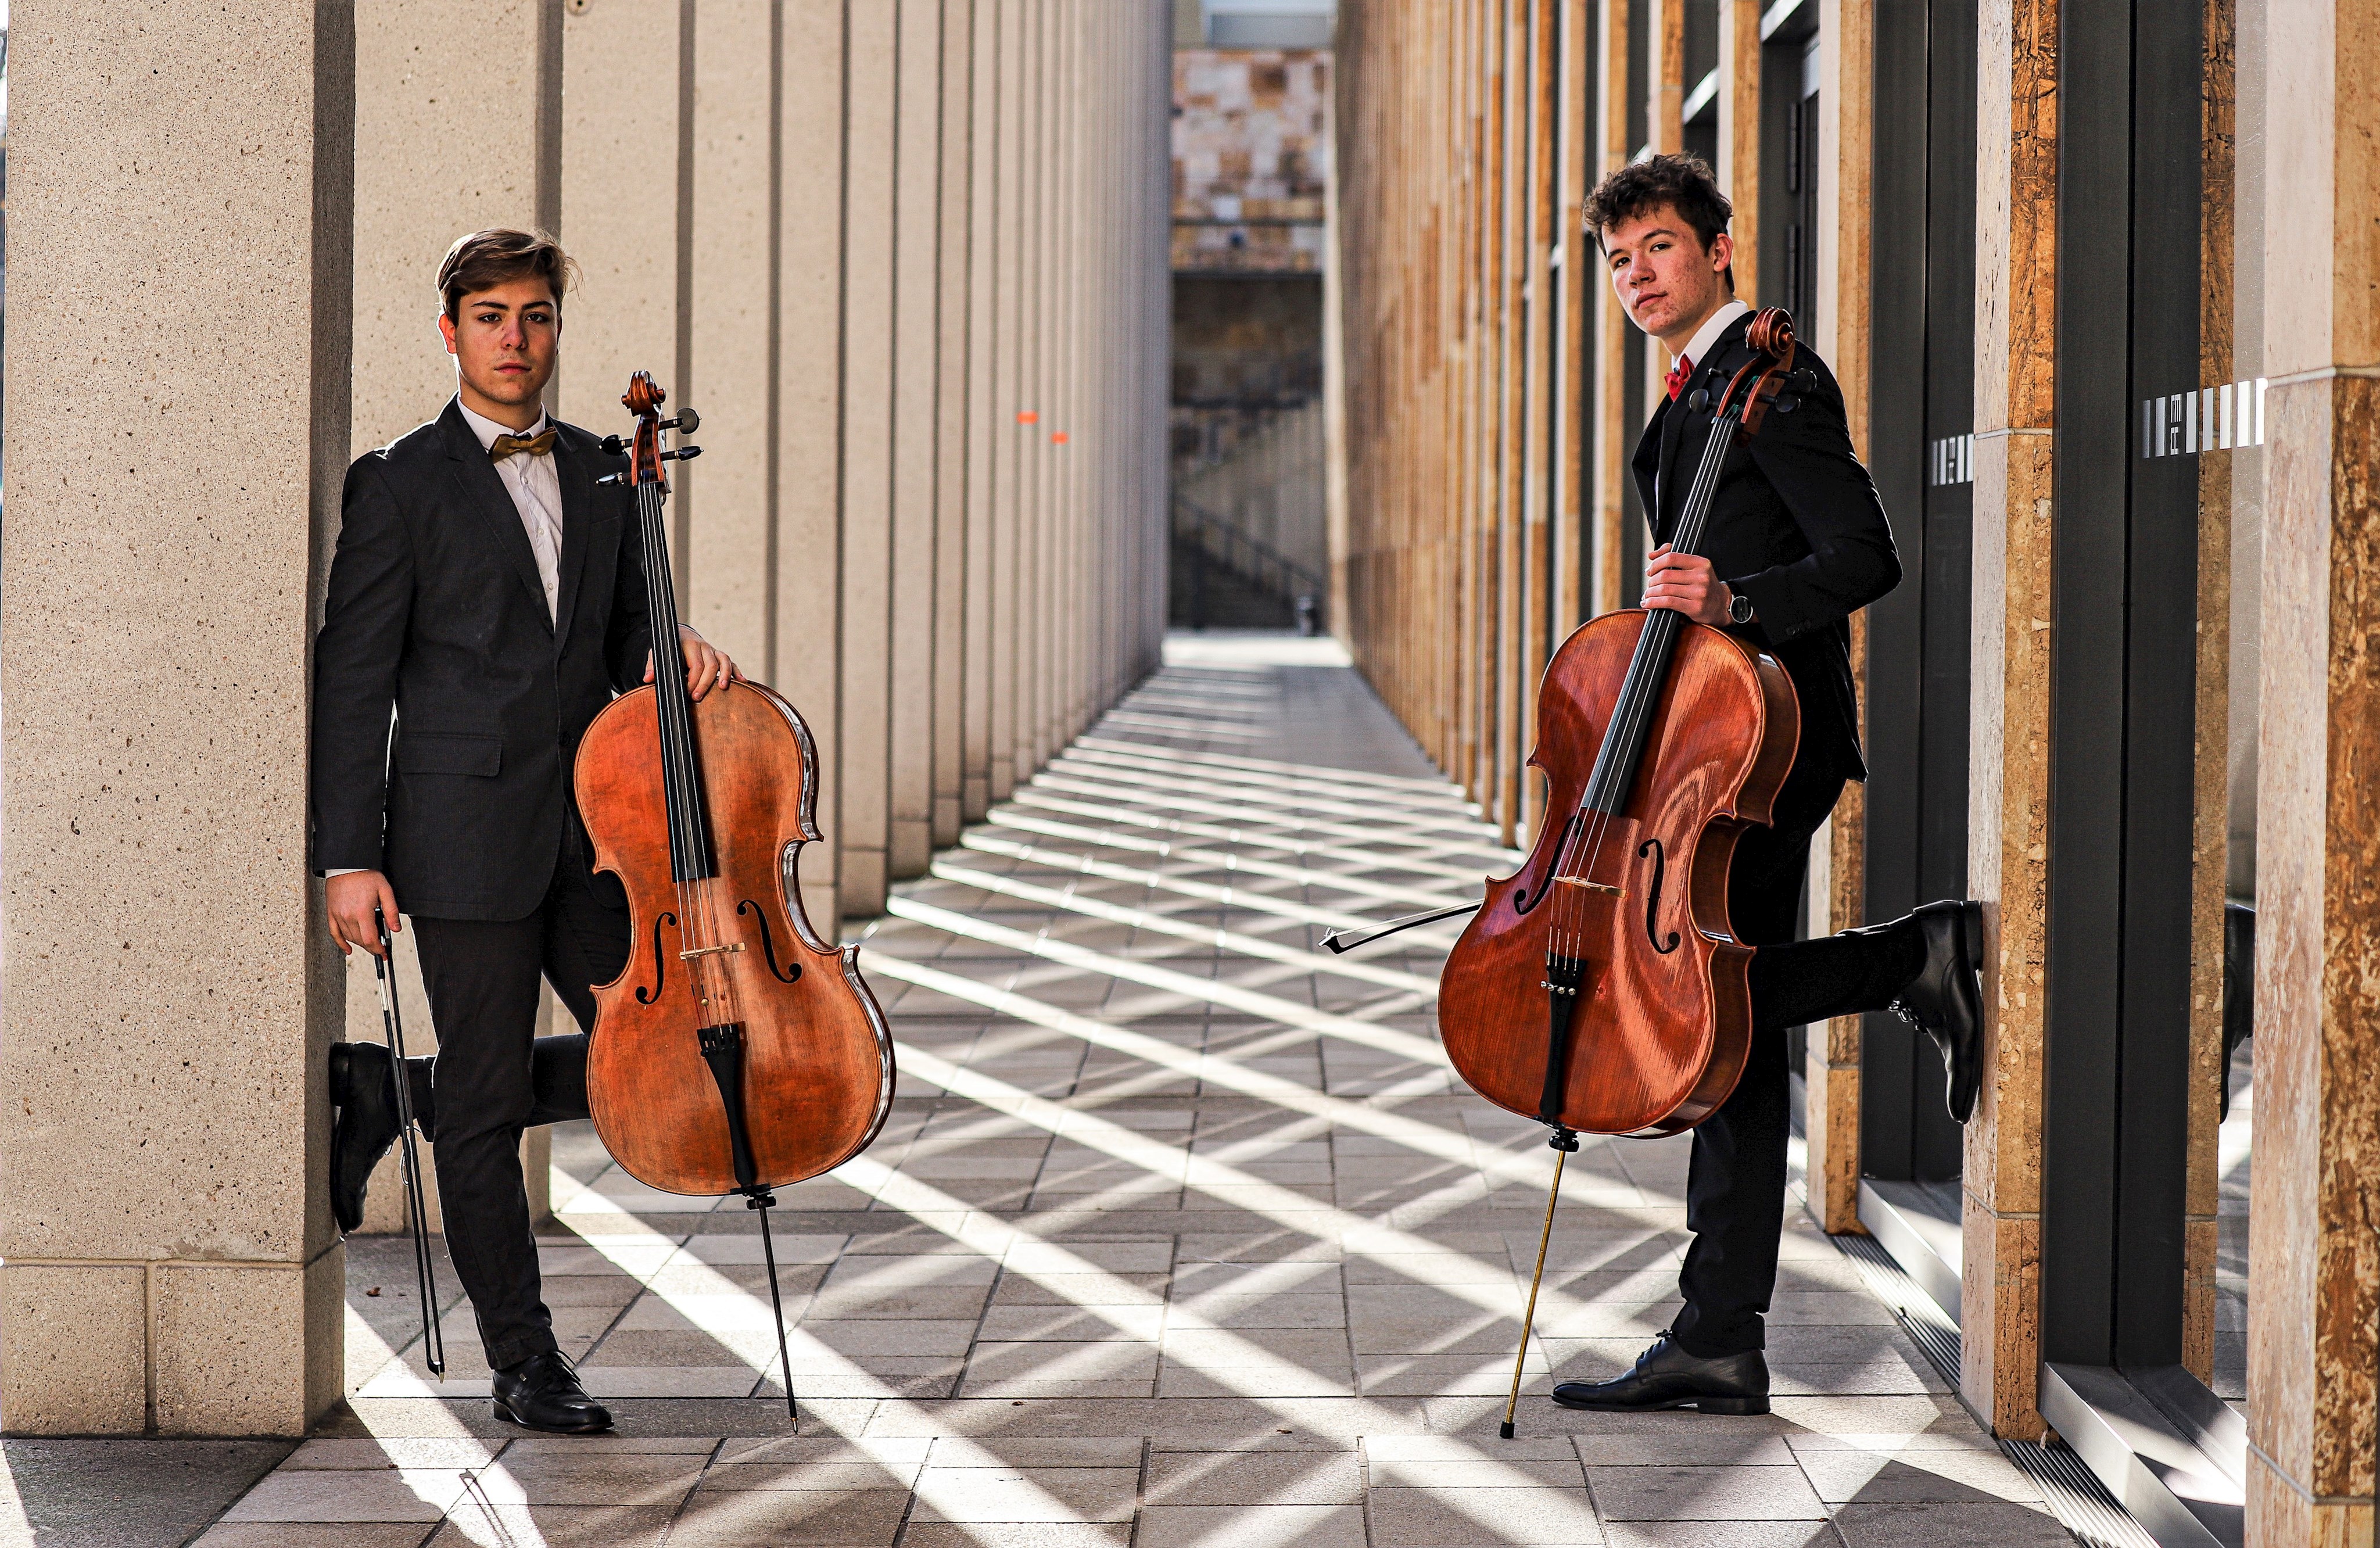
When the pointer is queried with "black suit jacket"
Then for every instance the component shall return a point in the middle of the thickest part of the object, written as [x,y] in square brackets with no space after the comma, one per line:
[1795,525]
[436,612]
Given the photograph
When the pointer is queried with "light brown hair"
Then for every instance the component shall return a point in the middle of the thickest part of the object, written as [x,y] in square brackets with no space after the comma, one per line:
[486,259]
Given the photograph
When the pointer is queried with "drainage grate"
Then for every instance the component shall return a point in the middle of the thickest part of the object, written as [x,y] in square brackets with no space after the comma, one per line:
[2083,1504]
[2074,1492]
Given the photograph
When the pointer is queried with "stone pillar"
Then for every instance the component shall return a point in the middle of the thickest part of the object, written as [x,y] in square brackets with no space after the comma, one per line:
[1831,1065]
[2314,1337]
[181,269]
[415,193]
[627,103]
[730,209]
[862,826]
[1010,412]
[809,326]
[2007,802]
[1739,136]
[1612,427]
[954,417]
[915,346]
[987,114]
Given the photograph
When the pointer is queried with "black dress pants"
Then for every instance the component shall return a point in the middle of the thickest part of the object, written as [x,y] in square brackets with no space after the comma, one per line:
[495,1077]
[1735,1185]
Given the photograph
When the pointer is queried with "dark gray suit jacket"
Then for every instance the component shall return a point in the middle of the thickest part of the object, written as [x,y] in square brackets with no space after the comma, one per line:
[437,615]
[1795,525]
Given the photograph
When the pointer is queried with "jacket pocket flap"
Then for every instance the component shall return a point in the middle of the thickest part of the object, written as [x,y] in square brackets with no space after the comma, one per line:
[449,753]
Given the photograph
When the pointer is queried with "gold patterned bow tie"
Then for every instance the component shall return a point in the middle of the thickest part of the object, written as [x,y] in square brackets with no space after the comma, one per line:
[536,445]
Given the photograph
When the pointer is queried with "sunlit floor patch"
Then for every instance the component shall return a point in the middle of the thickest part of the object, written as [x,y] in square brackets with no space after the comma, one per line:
[1181,1231]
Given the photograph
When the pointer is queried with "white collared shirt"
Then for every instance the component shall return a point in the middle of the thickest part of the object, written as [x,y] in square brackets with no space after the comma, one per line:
[1699,346]
[534,486]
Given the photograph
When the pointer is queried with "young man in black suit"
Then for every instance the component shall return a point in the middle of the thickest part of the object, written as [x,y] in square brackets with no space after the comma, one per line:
[487,599]
[1797,543]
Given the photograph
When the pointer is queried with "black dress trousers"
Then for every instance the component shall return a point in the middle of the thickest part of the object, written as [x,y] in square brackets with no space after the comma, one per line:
[1735,1185]
[494,1077]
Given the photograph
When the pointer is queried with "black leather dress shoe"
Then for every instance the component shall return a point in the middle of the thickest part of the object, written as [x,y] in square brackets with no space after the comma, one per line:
[1945,999]
[366,1125]
[1668,1377]
[542,1393]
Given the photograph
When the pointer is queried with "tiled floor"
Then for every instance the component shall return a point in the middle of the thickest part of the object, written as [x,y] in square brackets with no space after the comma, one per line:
[1181,1234]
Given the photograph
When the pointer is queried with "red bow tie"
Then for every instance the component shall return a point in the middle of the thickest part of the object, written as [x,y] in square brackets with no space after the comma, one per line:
[1679,374]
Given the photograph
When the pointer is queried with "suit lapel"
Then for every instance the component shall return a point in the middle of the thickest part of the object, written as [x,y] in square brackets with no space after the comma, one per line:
[1707,375]
[484,492]
[578,514]
[1673,434]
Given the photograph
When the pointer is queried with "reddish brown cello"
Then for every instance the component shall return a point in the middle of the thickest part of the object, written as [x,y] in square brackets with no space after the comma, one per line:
[739,1051]
[1600,988]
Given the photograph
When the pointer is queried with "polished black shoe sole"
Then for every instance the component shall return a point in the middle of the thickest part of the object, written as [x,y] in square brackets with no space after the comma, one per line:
[504,1412]
[1730,1405]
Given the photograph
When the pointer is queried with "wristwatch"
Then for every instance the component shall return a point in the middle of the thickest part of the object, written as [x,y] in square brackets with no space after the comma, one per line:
[1739,607]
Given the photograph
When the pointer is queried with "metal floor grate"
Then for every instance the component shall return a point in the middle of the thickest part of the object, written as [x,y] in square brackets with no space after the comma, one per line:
[2083,1504]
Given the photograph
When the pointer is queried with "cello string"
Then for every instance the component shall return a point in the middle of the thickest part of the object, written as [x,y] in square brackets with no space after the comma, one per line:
[1639,693]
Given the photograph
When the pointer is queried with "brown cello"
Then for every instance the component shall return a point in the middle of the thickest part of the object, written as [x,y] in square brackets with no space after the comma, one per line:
[739,1052]
[1600,988]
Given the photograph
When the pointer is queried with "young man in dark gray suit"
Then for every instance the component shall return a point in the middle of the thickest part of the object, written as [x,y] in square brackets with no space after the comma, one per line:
[487,599]
[1796,543]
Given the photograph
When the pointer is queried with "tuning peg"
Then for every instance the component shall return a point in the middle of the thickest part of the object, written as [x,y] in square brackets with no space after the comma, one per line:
[1698,399]
[687,422]
[614,446]
[683,453]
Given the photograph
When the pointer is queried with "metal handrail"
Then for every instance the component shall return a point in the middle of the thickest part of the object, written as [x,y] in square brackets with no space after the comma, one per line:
[1296,580]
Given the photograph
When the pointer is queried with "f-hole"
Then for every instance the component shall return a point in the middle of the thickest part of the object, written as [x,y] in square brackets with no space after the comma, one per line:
[1653,897]
[1521,901]
[660,961]
[768,946]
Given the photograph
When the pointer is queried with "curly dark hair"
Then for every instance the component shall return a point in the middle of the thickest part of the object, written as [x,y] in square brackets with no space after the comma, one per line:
[1680,180]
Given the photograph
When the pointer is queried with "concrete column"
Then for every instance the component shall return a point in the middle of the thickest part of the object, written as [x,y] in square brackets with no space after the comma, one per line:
[625,102]
[1011,414]
[2313,1339]
[916,347]
[414,194]
[2016,203]
[987,114]
[170,990]
[809,326]
[1612,427]
[954,417]
[730,251]
[870,118]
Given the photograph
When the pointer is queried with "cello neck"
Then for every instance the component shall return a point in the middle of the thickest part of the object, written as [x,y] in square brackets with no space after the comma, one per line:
[691,858]
[1615,762]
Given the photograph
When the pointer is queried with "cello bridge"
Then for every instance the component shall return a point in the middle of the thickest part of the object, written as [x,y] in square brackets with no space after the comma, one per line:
[706,950]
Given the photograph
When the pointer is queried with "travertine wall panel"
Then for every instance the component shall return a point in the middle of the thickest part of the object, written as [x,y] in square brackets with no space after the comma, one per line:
[2314,1266]
[2016,201]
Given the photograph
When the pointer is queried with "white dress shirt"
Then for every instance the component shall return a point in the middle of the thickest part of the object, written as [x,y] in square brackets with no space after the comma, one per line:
[536,489]
[1698,348]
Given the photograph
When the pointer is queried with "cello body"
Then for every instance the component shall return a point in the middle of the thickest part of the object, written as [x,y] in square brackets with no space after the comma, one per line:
[818,1056]
[1662,1022]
